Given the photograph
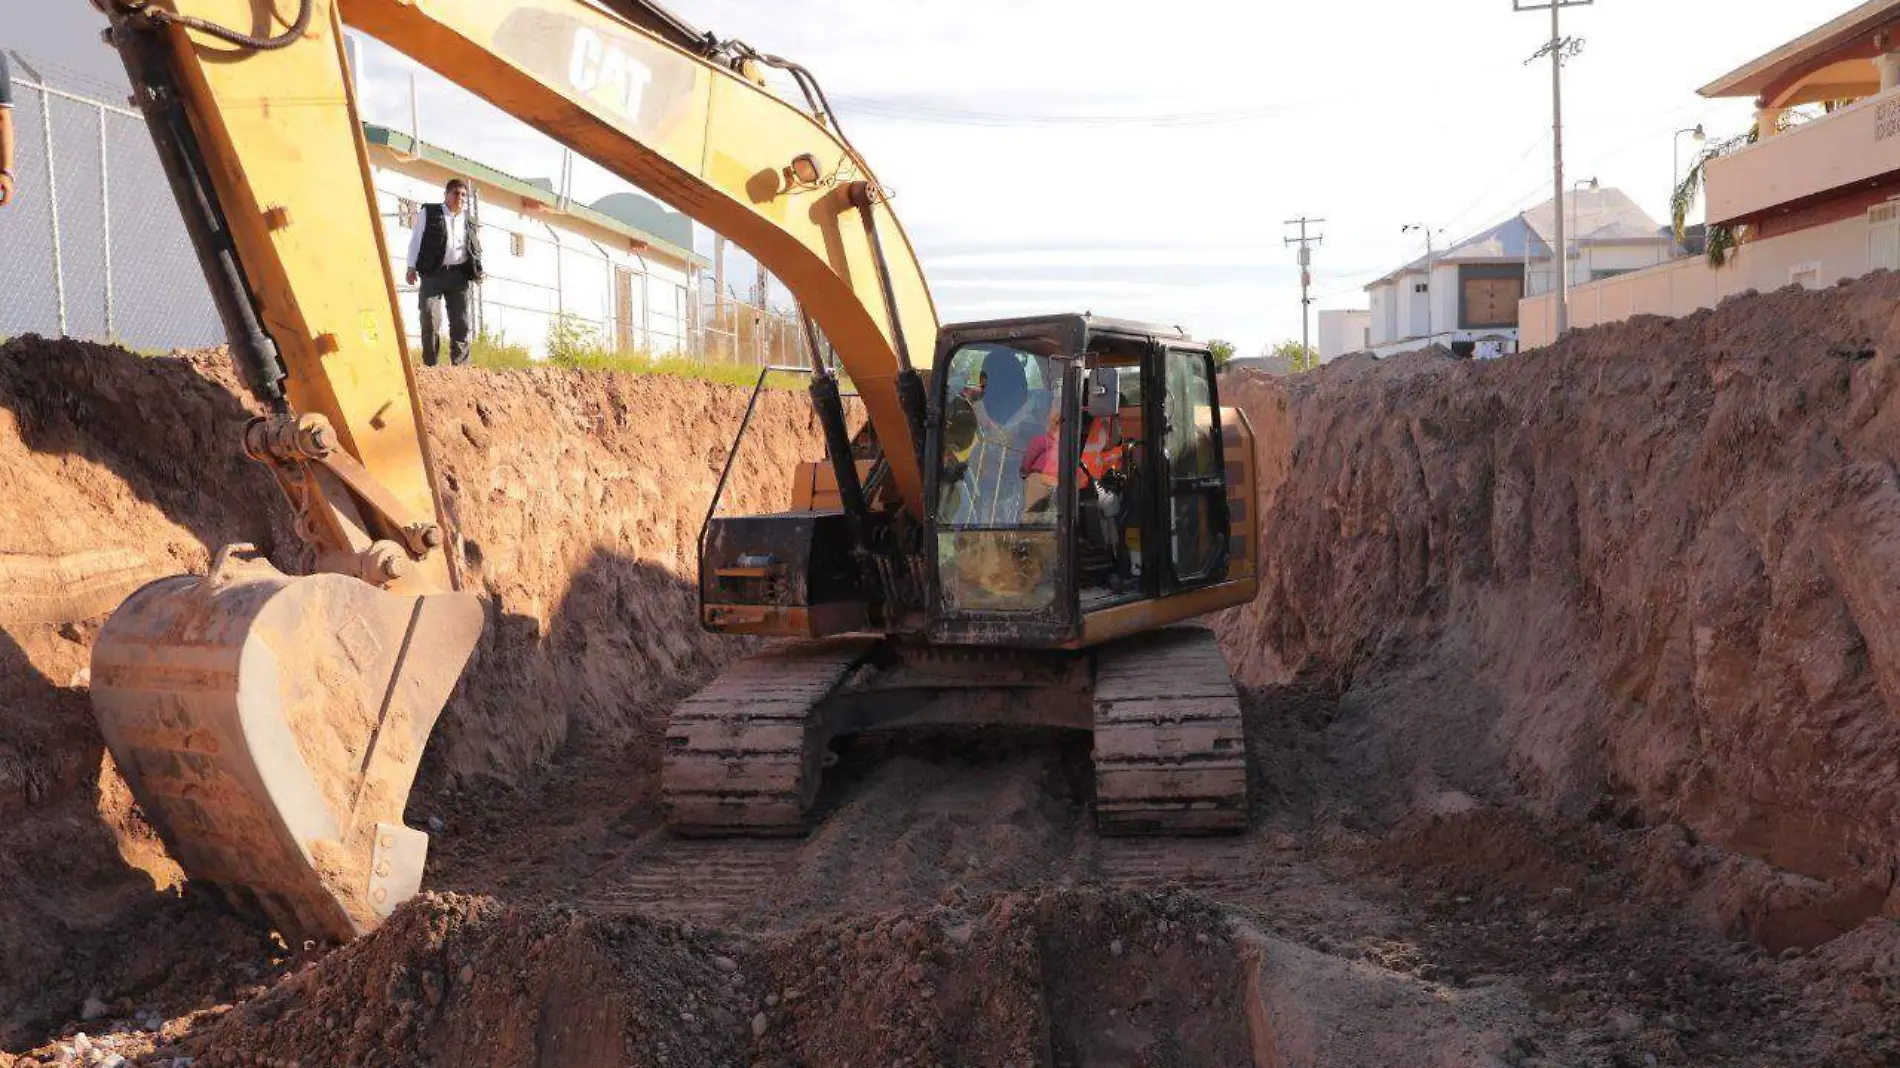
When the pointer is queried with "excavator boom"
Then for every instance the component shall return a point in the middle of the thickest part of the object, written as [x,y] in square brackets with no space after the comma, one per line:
[270,724]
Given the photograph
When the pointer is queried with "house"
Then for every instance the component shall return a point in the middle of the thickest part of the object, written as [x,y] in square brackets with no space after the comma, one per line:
[622,272]
[1342,331]
[1815,198]
[1470,293]
[1821,198]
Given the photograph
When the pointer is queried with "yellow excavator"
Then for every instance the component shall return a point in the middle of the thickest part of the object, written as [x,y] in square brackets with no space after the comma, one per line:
[1013,533]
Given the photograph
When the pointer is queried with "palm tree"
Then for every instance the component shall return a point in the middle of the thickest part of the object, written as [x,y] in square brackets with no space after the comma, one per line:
[1722,238]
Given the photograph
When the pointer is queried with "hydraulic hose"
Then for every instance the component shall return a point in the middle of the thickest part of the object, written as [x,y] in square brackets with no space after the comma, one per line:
[224,33]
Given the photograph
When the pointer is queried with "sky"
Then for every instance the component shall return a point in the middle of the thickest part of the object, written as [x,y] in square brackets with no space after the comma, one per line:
[1109,156]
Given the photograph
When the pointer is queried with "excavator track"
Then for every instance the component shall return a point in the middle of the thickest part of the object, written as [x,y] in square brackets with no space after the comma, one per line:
[744,755]
[1170,755]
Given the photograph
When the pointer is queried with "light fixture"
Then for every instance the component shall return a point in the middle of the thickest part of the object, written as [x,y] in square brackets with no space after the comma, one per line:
[804,170]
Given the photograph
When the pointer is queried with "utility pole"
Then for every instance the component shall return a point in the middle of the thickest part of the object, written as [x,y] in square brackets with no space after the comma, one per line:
[1306,278]
[1558,48]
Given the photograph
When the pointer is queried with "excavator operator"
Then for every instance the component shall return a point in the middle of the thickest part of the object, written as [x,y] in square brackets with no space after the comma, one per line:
[988,489]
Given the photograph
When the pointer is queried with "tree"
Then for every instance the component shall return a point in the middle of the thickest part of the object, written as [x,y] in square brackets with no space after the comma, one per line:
[1297,358]
[1222,352]
[1722,239]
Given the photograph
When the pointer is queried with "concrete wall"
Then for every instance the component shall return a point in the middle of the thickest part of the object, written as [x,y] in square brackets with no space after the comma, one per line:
[1818,257]
[1344,331]
[564,266]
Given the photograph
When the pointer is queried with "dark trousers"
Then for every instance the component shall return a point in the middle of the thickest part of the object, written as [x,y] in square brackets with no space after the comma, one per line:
[448,286]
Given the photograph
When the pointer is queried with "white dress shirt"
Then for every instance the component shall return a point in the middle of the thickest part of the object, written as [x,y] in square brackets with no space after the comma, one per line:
[456,252]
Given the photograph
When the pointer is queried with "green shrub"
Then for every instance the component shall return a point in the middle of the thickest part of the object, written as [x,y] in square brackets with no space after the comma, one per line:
[497,353]
[574,342]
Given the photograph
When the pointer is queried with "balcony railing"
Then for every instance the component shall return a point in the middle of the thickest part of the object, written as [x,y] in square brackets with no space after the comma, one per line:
[1850,146]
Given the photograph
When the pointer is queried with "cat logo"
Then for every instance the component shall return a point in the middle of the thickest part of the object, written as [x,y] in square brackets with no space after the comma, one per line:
[641,86]
[606,75]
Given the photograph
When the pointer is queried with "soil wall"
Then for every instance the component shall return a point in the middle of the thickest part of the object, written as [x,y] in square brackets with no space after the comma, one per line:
[1650,574]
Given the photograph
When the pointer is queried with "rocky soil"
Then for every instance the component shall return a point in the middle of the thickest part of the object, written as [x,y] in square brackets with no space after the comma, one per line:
[1570,697]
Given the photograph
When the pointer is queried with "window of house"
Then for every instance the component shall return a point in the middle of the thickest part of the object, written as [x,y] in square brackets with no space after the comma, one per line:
[518,244]
[407,212]
[1421,287]
[1883,237]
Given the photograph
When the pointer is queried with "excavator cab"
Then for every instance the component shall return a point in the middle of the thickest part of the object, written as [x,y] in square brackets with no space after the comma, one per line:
[1062,441]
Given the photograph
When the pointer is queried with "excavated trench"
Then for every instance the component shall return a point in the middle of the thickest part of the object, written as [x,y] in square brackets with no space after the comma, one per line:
[1570,704]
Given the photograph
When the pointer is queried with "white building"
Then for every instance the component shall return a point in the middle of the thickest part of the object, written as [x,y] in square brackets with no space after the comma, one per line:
[1469,293]
[1344,331]
[624,268]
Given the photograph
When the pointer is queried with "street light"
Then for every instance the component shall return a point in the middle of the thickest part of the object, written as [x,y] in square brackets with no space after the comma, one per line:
[1675,171]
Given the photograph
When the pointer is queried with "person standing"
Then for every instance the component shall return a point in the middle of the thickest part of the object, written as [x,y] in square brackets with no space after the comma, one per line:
[6,133]
[445,253]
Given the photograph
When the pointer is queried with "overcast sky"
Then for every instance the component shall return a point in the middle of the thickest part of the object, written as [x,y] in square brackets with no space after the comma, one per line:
[1139,159]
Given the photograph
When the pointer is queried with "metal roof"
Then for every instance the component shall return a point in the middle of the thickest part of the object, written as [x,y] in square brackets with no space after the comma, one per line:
[1603,216]
[397,141]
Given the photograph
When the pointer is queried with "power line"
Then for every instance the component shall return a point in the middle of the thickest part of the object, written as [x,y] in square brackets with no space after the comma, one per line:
[1504,175]
[928,113]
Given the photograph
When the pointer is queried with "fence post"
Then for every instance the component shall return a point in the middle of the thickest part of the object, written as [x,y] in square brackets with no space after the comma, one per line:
[646,310]
[105,223]
[52,198]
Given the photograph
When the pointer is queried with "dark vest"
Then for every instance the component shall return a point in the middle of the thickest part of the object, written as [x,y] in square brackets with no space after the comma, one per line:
[435,242]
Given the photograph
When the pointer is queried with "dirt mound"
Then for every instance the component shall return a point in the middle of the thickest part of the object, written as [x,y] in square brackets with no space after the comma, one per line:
[578,497]
[1647,575]
[1076,978]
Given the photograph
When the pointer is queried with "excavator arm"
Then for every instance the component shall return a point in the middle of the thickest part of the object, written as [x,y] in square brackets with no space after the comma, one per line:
[271,724]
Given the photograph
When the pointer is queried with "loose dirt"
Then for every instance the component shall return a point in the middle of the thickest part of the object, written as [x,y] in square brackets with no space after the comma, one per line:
[1068,977]
[1570,700]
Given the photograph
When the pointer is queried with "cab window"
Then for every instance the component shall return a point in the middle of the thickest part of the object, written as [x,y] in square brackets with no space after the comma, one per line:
[997,478]
[1191,449]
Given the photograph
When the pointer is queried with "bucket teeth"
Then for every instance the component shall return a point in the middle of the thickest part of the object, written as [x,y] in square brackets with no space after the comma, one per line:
[270,728]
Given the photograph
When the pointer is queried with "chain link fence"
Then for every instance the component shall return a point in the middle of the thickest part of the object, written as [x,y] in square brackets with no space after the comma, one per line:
[742,333]
[94,246]
[93,242]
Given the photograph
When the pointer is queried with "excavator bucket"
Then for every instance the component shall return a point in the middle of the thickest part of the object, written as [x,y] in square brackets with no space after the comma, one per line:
[270,727]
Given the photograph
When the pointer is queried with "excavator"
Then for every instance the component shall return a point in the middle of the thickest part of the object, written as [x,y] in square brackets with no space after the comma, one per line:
[1020,530]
